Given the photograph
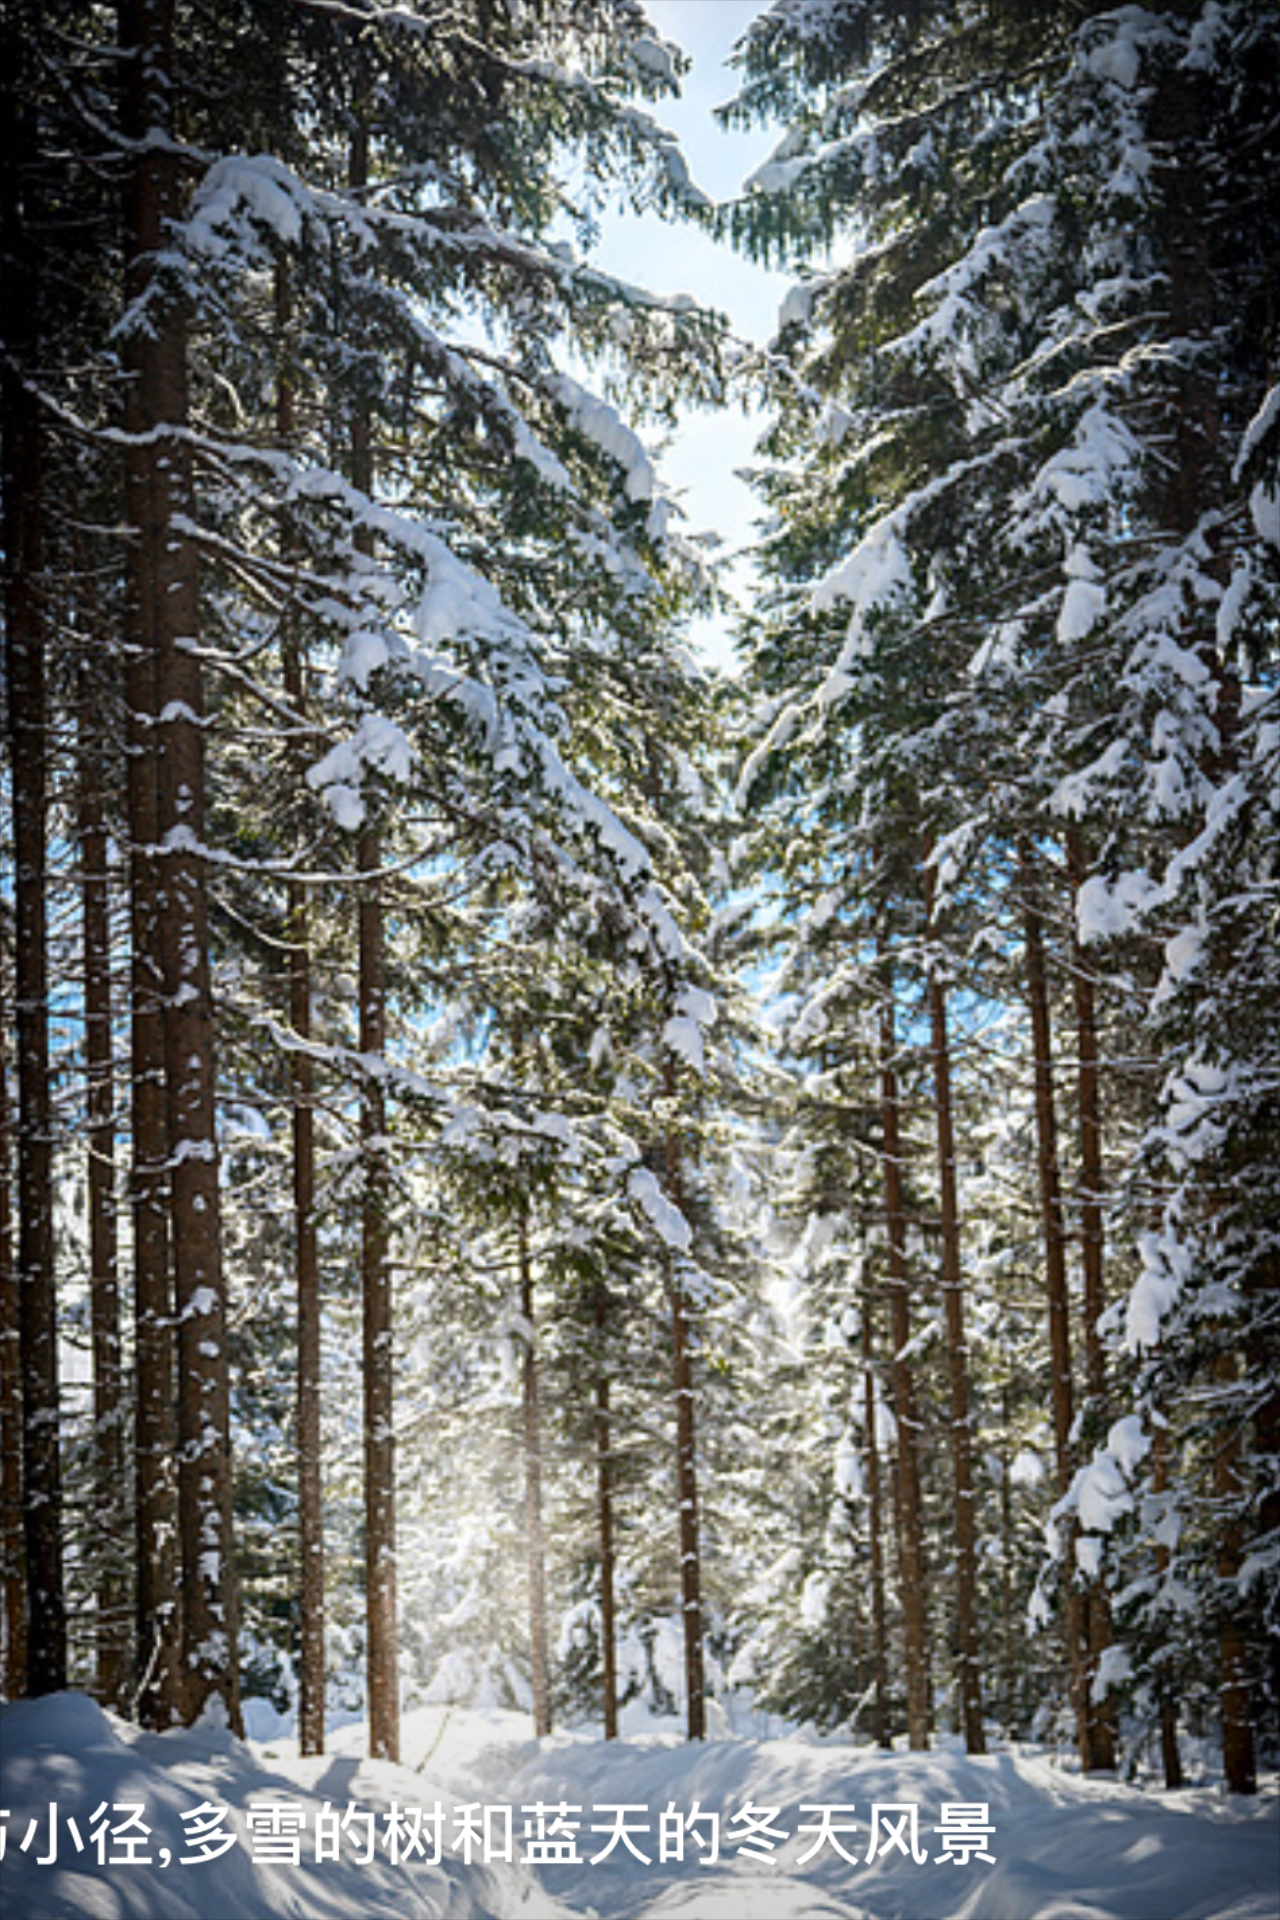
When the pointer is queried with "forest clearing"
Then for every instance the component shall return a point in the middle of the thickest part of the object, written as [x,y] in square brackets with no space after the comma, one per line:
[640,1156]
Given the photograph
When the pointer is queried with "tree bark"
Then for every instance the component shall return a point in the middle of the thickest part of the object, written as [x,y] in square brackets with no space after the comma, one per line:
[306,1251]
[22,508]
[911,1563]
[535,1543]
[375,1247]
[1239,1760]
[871,1455]
[1053,1232]
[969,1657]
[375,1272]
[1008,1665]
[13,1559]
[1100,1731]
[1170,1757]
[162,496]
[686,1458]
[604,1508]
[158,1694]
[112,1621]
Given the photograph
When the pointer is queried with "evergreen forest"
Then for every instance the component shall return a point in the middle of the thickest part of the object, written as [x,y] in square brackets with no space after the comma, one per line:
[540,1172]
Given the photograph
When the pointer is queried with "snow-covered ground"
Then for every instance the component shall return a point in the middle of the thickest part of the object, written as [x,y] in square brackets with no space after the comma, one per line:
[221,1820]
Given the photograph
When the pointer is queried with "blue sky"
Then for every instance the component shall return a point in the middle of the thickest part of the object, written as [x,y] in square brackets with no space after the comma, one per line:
[669,257]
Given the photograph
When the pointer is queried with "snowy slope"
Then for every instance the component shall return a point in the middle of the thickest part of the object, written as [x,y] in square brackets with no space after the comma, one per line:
[1063,1848]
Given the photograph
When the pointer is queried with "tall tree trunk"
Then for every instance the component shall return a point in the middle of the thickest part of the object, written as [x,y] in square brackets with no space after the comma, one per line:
[1100,1730]
[535,1543]
[382,1664]
[158,1612]
[871,1456]
[375,1273]
[13,1558]
[911,1565]
[1053,1230]
[1239,1762]
[22,509]
[162,496]
[1008,1665]
[695,1680]
[604,1508]
[1170,1757]
[306,1252]
[311,1662]
[111,1623]
[969,1657]
[158,1693]
[1188,202]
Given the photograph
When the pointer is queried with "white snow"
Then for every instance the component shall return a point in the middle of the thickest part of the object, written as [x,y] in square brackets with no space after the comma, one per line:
[662,1214]
[695,1010]
[747,1815]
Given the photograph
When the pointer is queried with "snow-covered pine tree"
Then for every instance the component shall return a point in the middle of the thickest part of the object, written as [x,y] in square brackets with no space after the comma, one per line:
[1031,481]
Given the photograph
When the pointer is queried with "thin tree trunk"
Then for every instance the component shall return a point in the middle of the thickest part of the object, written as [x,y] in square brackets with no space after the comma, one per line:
[535,1543]
[968,1653]
[911,1566]
[111,1624]
[311,1663]
[161,497]
[375,1270]
[158,1616]
[871,1456]
[1170,1756]
[1097,1603]
[604,1507]
[686,1462]
[306,1253]
[15,142]
[1239,1761]
[13,1559]
[1008,1669]
[375,1247]
[1053,1229]
[23,507]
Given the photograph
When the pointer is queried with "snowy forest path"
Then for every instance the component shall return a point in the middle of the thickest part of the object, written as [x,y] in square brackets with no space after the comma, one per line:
[1059,1843]
[1060,1846]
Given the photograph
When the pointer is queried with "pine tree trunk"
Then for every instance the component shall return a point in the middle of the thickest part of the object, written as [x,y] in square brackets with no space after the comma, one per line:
[13,1558]
[687,1495]
[1239,1761]
[1097,1603]
[311,1651]
[911,1566]
[382,1663]
[375,1272]
[1053,1230]
[112,1622]
[604,1508]
[686,1462]
[871,1456]
[1170,1757]
[1189,207]
[306,1252]
[158,1693]
[535,1543]
[161,500]
[158,1616]
[968,1652]
[25,615]
[1008,1666]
